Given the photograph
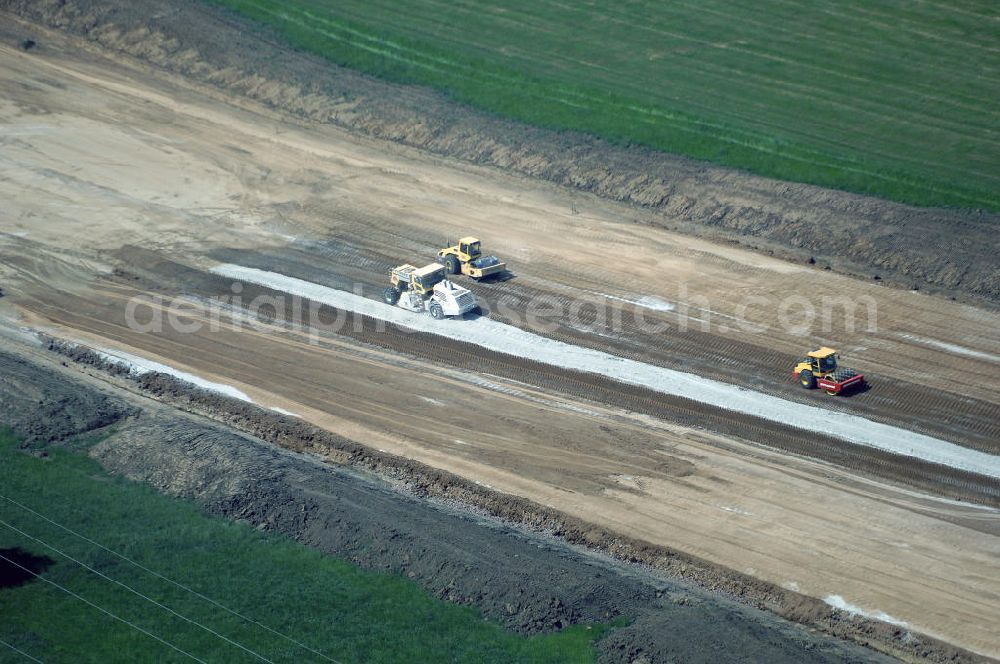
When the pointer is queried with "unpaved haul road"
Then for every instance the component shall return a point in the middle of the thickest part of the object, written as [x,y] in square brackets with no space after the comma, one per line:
[121,183]
[520,343]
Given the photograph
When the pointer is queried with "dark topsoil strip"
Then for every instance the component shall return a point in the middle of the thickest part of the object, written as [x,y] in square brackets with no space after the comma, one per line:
[943,250]
[43,409]
[460,565]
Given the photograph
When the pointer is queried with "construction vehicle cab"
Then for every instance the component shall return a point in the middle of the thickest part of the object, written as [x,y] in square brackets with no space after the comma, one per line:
[466,256]
[418,280]
[470,247]
[822,361]
[820,368]
[427,289]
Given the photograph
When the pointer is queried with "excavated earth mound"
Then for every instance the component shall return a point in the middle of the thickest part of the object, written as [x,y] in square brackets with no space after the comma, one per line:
[45,409]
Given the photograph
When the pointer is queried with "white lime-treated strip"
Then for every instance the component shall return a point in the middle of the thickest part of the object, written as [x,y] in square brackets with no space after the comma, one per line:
[952,348]
[521,343]
[646,302]
[838,602]
[141,365]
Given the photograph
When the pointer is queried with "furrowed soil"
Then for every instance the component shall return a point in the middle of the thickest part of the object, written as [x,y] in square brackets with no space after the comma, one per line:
[951,251]
[527,581]
[980,432]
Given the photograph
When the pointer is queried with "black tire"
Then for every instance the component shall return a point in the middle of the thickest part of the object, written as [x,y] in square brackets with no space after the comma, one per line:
[436,311]
[390,295]
[452,265]
[807,379]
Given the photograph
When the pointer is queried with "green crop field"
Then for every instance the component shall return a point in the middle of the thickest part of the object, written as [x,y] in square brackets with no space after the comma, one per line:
[265,598]
[896,98]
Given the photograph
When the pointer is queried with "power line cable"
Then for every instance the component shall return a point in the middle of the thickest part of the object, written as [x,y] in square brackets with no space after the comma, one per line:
[139,594]
[19,651]
[172,582]
[103,610]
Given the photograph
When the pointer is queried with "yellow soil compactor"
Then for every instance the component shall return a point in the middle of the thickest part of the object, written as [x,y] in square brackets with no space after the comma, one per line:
[467,257]
[820,369]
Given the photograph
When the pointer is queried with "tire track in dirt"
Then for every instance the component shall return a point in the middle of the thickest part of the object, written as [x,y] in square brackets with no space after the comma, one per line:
[436,349]
[963,420]
[590,387]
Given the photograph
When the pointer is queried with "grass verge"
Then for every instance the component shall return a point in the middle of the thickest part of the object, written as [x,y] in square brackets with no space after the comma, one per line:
[886,98]
[306,606]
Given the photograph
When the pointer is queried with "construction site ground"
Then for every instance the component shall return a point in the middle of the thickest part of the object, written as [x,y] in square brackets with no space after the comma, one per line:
[527,581]
[125,182]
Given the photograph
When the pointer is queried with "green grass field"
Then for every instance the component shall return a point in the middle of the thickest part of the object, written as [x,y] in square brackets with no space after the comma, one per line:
[323,603]
[889,97]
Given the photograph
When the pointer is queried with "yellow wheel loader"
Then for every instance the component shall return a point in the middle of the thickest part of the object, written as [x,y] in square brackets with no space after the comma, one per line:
[467,257]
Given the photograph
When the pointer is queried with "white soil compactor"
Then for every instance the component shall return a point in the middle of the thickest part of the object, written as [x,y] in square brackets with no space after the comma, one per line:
[427,289]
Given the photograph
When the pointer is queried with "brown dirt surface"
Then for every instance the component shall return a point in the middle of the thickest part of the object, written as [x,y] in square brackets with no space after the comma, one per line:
[952,251]
[527,581]
[963,418]
[466,357]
